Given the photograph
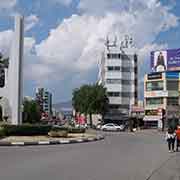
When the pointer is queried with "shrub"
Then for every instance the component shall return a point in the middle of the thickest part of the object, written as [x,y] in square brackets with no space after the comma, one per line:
[60,133]
[32,130]
[77,130]
[2,134]
[59,128]
[25,130]
[69,129]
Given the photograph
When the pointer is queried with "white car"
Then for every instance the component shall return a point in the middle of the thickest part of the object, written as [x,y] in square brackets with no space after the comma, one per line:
[112,127]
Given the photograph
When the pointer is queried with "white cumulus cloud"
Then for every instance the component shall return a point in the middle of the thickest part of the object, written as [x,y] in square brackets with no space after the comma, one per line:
[7,4]
[73,48]
[30,22]
[76,44]
[5,42]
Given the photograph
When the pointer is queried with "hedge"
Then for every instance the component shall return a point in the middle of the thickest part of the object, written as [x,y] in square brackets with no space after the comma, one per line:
[31,130]
[25,130]
[59,128]
[2,134]
[69,129]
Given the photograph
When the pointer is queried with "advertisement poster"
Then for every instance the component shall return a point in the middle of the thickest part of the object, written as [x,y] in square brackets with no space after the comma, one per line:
[165,60]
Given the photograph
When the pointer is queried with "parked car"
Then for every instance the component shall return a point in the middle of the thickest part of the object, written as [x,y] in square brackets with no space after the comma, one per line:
[112,127]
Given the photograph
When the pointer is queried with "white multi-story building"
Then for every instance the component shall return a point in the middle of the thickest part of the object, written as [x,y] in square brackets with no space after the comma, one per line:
[118,73]
[44,99]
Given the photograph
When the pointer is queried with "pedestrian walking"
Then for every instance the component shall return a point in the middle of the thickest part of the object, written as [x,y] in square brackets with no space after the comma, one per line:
[170,137]
[177,137]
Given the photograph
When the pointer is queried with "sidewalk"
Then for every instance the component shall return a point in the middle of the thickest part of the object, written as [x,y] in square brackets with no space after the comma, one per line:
[150,131]
[169,170]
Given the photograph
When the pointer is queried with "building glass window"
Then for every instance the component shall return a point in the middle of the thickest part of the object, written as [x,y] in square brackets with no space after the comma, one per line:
[2,78]
[113,68]
[126,94]
[127,82]
[114,106]
[108,56]
[113,81]
[172,85]
[154,101]
[110,68]
[114,94]
[154,86]
[119,94]
[126,69]
[119,81]
[124,56]
[113,56]
[117,68]
[173,101]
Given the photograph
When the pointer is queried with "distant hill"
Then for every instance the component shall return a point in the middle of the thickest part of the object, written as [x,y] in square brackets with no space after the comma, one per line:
[63,105]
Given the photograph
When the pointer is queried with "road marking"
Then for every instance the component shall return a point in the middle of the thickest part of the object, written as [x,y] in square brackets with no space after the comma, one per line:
[17,143]
[79,140]
[64,141]
[43,142]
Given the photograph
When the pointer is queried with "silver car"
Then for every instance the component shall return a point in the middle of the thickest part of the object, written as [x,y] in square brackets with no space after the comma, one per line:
[112,127]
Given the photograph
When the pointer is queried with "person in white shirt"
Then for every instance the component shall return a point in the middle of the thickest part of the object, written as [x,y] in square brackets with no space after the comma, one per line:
[170,137]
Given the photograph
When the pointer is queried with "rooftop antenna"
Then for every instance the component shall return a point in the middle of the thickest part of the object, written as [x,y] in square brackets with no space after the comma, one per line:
[107,42]
[131,41]
[126,41]
[115,41]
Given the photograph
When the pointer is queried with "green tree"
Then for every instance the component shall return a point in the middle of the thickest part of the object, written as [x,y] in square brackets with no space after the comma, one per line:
[4,62]
[90,99]
[1,119]
[31,112]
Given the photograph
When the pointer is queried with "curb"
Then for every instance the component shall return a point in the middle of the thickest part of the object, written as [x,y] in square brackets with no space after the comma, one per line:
[52,142]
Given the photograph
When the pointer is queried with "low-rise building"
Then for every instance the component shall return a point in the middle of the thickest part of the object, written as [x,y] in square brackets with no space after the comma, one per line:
[161,94]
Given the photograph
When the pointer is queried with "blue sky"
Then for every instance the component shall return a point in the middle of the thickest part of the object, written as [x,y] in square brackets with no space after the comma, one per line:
[64,38]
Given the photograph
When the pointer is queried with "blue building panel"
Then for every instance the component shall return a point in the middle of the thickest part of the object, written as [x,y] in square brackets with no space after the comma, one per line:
[173,75]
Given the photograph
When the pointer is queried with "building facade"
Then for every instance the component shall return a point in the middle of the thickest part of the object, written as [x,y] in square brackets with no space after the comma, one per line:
[118,72]
[161,92]
[44,99]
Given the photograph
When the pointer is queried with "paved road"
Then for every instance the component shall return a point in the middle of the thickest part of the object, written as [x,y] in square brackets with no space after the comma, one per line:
[120,156]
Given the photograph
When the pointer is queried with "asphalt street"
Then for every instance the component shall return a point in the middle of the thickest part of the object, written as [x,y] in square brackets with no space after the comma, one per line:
[121,156]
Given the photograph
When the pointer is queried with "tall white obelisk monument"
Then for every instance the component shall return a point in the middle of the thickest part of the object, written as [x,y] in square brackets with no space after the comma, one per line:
[15,79]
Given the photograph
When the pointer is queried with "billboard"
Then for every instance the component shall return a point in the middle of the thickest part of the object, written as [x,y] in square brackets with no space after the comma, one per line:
[154,75]
[165,60]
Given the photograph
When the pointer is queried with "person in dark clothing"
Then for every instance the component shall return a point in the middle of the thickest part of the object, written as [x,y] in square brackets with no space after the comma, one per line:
[160,62]
[170,137]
